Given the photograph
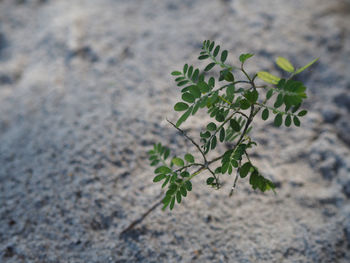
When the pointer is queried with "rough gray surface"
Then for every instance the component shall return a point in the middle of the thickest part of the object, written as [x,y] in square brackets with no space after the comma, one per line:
[84,89]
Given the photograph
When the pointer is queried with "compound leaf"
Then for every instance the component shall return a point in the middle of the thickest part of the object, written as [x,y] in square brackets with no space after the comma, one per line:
[244,57]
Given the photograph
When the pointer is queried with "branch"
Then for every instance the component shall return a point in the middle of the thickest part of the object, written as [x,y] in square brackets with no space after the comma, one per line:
[141,218]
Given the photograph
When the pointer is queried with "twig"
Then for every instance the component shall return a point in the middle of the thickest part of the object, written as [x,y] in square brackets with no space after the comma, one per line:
[141,218]
[235,181]
[191,140]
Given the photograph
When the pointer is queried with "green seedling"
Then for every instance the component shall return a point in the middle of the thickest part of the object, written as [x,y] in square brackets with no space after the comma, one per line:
[232,104]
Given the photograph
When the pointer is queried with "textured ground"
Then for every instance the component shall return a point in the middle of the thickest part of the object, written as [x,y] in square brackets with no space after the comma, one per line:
[84,89]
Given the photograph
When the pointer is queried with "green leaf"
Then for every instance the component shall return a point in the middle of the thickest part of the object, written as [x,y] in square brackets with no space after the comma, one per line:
[166,153]
[166,181]
[184,117]
[158,178]
[166,200]
[225,167]
[278,120]
[211,82]
[252,96]
[216,51]
[185,69]
[195,75]
[155,162]
[244,170]
[195,108]
[172,189]
[188,186]
[181,83]
[203,86]
[211,46]
[185,174]
[180,106]
[284,64]
[211,126]
[205,135]
[203,57]
[172,203]
[209,66]
[235,125]
[189,158]
[288,120]
[267,77]
[244,57]
[244,104]
[210,180]
[279,100]
[223,56]
[269,94]
[254,179]
[189,72]
[178,197]
[213,143]
[302,113]
[220,117]
[305,67]
[230,90]
[265,114]
[194,90]
[229,76]
[296,107]
[176,73]
[222,134]
[163,170]
[183,190]
[178,161]
[188,97]
[296,121]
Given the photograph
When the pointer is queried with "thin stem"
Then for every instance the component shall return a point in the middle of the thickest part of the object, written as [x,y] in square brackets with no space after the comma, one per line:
[223,65]
[190,139]
[246,74]
[225,100]
[141,218]
[216,178]
[246,154]
[188,166]
[262,105]
[235,181]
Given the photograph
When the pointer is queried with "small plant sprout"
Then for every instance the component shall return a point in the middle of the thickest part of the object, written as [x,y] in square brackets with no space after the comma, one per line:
[232,104]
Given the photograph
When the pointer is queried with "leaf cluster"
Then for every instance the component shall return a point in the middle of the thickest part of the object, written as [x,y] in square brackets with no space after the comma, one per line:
[232,105]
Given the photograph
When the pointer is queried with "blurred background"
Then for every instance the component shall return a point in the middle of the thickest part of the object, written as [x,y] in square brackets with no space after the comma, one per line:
[85,87]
